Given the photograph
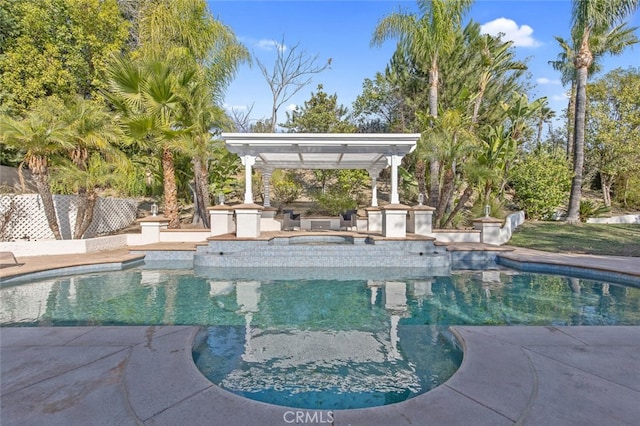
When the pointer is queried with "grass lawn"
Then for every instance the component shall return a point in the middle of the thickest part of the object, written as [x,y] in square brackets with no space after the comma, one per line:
[613,240]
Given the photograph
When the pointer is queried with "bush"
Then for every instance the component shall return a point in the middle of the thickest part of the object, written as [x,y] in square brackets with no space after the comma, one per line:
[627,192]
[286,189]
[541,182]
[590,209]
[334,202]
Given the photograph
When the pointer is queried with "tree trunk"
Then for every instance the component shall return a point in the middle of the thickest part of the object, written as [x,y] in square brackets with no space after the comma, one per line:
[91,200]
[433,88]
[434,164]
[420,176]
[201,187]
[583,60]
[47,202]
[606,189]
[434,183]
[571,116]
[447,193]
[80,214]
[468,191]
[170,189]
[478,101]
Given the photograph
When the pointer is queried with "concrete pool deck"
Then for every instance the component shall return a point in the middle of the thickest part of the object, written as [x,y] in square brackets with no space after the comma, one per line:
[146,375]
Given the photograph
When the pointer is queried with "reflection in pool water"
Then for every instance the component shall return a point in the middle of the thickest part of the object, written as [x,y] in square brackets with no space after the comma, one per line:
[321,343]
[324,344]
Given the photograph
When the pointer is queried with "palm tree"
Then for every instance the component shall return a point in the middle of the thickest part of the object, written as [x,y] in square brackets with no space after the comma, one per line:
[146,94]
[457,141]
[496,58]
[427,39]
[589,18]
[610,42]
[545,115]
[200,118]
[92,130]
[41,135]
[185,34]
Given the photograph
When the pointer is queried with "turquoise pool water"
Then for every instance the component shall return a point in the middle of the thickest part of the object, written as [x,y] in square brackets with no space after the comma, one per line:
[330,344]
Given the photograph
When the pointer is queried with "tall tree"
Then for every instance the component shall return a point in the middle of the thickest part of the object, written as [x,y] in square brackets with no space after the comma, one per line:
[93,134]
[56,48]
[613,42]
[41,135]
[185,34]
[427,38]
[589,17]
[613,120]
[380,106]
[147,96]
[320,114]
[292,71]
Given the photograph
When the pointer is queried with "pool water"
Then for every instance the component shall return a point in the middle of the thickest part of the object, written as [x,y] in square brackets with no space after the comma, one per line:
[321,344]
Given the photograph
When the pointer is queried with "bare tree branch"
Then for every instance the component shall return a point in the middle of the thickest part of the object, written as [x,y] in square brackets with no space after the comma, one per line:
[292,70]
[241,119]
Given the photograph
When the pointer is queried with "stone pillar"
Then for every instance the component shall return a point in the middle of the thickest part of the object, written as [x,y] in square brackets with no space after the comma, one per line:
[421,220]
[394,220]
[248,217]
[266,178]
[247,162]
[489,228]
[150,228]
[221,219]
[374,219]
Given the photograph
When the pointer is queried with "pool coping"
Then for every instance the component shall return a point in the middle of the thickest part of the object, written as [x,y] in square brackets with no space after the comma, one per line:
[146,375]
[615,269]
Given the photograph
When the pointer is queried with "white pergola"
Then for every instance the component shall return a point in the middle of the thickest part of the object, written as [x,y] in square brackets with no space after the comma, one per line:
[365,151]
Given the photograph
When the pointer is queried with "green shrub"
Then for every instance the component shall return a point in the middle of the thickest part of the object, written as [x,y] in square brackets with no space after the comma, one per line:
[589,209]
[286,189]
[541,182]
[627,192]
[334,201]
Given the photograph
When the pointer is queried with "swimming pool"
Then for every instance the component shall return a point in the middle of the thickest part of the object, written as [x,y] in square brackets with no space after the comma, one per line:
[334,343]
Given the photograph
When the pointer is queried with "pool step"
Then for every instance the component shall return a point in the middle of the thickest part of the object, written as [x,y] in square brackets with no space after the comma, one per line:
[311,254]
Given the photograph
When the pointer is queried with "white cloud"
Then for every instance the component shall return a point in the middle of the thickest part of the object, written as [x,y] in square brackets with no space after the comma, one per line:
[291,107]
[544,80]
[561,97]
[235,107]
[269,45]
[509,29]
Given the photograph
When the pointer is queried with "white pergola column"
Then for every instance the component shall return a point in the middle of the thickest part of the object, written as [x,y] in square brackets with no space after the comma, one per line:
[248,161]
[394,162]
[373,174]
[266,177]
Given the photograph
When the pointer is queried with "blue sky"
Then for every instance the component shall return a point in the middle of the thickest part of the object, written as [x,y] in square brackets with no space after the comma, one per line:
[342,30]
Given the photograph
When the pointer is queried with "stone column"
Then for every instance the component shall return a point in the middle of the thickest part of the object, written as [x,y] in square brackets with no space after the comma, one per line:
[374,219]
[150,228]
[394,220]
[221,218]
[266,177]
[248,161]
[489,228]
[421,217]
[248,217]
